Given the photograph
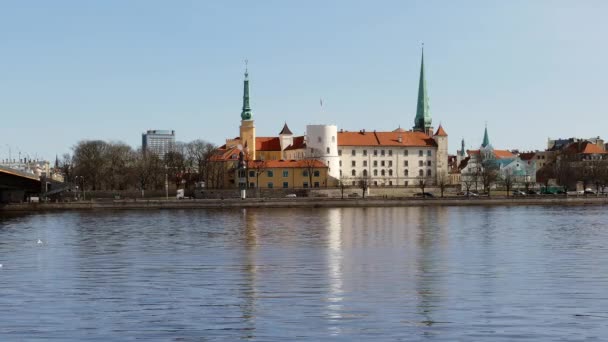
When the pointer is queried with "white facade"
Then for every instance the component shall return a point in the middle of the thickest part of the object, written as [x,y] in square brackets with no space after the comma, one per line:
[388,165]
[322,144]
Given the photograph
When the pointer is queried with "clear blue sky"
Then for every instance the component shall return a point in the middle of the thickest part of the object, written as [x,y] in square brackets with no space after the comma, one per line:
[73,70]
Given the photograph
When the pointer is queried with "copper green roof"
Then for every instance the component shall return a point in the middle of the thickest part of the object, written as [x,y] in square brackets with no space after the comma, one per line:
[423,112]
[486,139]
[246,113]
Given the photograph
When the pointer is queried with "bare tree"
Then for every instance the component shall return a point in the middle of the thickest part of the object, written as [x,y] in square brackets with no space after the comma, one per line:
[90,162]
[342,184]
[508,179]
[442,181]
[258,167]
[364,183]
[118,159]
[422,184]
[148,167]
[66,167]
[488,171]
[468,179]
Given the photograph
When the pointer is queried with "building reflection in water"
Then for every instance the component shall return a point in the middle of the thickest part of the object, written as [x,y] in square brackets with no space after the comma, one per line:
[334,261]
[249,289]
[431,266]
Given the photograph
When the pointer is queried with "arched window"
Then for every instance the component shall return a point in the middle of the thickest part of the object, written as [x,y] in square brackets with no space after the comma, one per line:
[382,172]
[328,150]
[390,172]
[353,173]
[428,172]
[364,173]
[420,173]
[375,172]
[405,173]
[333,138]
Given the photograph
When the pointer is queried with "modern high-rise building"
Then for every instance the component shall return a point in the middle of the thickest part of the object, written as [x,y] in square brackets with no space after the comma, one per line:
[157,141]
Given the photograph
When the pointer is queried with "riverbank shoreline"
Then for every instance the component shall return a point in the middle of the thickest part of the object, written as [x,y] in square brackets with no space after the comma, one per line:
[296,203]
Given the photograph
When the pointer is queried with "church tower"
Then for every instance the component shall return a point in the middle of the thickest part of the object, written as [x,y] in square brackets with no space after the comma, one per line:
[422,122]
[247,129]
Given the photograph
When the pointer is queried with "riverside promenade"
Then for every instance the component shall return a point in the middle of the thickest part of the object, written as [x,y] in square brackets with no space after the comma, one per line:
[298,203]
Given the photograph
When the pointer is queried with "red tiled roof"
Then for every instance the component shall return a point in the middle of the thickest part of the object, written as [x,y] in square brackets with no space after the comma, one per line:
[267,144]
[298,143]
[441,132]
[527,155]
[286,163]
[385,139]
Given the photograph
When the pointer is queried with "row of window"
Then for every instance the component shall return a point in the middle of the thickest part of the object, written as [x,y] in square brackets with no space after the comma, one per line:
[390,152]
[270,185]
[270,173]
[388,163]
[406,173]
[390,183]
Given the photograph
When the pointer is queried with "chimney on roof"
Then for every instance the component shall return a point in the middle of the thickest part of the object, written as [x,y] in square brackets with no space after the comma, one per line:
[400,139]
[341,130]
[362,131]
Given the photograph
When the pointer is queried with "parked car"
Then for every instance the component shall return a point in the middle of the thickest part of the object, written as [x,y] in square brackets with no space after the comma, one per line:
[589,191]
[532,192]
[518,193]
[424,194]
[291,195]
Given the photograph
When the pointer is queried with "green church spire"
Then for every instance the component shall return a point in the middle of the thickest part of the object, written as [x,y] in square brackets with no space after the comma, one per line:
[462,147]
[423,113]
[246,113]
[486,139]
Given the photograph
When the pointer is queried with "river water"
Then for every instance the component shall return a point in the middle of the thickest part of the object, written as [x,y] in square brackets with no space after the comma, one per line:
[434,273]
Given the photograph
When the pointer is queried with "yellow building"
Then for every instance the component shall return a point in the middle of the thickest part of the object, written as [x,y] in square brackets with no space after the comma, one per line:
[287,174]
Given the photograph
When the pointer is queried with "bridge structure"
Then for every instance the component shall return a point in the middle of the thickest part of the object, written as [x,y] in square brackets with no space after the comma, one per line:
[16,185]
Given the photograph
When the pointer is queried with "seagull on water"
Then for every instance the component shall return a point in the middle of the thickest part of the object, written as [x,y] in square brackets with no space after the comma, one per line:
[39,242]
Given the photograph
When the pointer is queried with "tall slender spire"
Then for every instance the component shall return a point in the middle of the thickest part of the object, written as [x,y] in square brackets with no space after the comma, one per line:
[423,113]
[246,113]
[462,147]
[486,139]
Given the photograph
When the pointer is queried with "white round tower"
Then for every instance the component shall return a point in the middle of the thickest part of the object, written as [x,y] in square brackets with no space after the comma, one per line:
[322,144]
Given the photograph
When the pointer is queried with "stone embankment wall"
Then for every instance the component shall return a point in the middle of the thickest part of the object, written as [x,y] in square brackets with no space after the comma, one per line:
[296,203]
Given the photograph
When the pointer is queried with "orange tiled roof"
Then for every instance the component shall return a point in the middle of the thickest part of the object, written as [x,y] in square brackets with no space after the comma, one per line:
[385,139]
[583,147]
[223,154]
[286,163]
[591,148]
[500,154]
[441,132]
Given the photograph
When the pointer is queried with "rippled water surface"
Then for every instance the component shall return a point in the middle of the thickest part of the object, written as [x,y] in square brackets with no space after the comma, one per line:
[437,274]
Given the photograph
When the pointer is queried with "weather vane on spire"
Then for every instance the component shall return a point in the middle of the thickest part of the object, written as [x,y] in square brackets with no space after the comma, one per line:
[246,62]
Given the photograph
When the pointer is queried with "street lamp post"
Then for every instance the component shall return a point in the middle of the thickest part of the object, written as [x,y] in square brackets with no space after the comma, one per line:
[84,194]
[166,182]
